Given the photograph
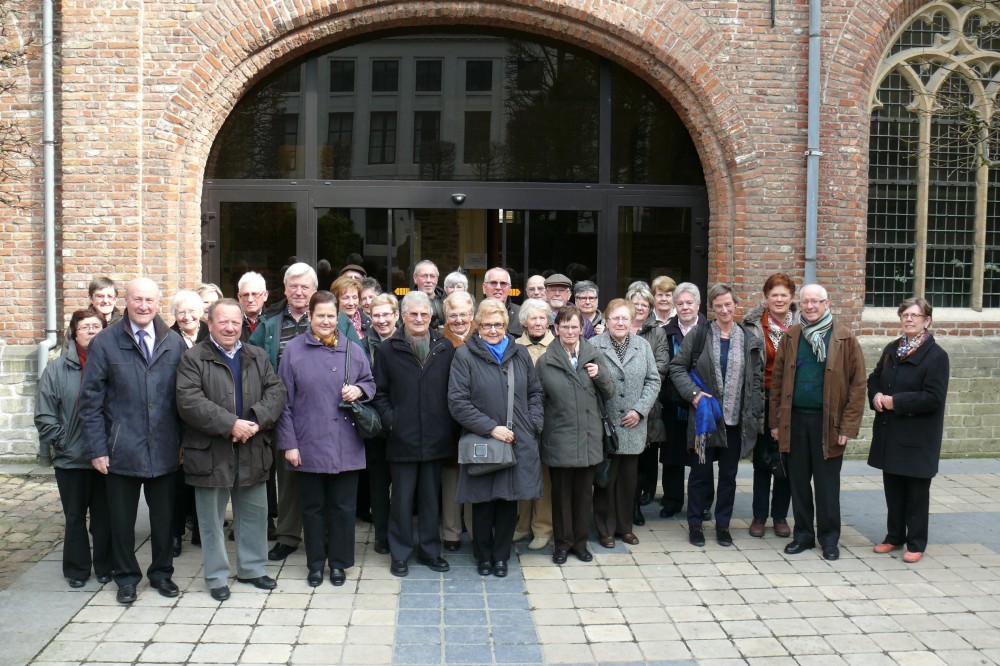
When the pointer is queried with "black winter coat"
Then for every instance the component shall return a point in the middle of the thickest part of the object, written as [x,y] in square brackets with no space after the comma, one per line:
[413,399]
[907,439]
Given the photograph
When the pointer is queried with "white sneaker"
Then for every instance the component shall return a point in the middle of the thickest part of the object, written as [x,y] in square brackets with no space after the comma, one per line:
[521,536]
[538,543]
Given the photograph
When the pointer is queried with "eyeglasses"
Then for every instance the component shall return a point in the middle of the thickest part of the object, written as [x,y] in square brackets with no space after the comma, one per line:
[619,320]
[498,284]
[912,315]
[812,303]
[418,315]
[252,295]
[89,327]
[381,316]
[455,316]
[586,298]
[185,313]
[492,327]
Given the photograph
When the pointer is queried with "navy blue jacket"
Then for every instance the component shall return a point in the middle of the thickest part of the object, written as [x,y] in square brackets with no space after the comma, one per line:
[128,407]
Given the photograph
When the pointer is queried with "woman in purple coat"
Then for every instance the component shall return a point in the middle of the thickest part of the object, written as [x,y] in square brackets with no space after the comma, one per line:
[319,438]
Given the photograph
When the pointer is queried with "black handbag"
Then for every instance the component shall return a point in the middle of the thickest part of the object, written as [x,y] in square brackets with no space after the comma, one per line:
[771,456]
[366,420]
[609,439]
[485,455]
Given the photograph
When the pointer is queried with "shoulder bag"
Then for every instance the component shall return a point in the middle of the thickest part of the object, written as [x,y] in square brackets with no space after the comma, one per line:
[485,455]
[366,419]
[609,439]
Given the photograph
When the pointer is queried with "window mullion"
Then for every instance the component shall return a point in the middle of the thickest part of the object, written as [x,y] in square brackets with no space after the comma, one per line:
[923,194]
[979,247]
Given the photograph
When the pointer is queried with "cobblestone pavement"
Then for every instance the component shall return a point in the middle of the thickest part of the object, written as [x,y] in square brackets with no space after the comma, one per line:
[31,523]
[662,601]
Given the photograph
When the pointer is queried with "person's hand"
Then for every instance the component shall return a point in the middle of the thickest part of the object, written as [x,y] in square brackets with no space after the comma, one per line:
[887,402]
[877,403]
[293,458]
[350,393]
[592,369]
[101,464]
[598,329]
[841,440]
[503,433]
[774,434]
[631,419]
[244,430]
[697,398]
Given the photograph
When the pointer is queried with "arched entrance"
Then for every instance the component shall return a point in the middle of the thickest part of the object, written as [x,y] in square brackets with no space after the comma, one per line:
[469,148]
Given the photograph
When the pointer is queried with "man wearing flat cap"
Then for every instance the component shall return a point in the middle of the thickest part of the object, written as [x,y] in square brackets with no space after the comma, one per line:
[558,289]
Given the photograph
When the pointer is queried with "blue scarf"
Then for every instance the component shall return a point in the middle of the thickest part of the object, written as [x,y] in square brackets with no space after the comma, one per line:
[498,349]
[708,418]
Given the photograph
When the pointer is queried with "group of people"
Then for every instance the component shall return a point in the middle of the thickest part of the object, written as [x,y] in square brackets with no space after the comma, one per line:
[260,409]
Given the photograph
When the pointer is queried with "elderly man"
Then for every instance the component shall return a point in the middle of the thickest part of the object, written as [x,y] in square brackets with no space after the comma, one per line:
[252,292]
[557,291]
[128,413]
[817,399]
[425,278]
[535,287]
[103,296]
[411,375]
[230,398]
[585,296]
[273,334]
[496,284]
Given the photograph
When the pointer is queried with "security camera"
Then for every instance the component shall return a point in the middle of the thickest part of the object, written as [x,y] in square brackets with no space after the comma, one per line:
[458,198]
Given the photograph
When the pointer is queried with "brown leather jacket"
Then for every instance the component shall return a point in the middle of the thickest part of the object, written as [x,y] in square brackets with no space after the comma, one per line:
[843,388]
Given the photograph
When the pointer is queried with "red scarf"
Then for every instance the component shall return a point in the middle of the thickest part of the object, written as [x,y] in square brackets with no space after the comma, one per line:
[82,353]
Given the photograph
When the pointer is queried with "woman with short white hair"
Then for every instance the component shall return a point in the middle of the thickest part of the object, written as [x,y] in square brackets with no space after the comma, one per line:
[455,282]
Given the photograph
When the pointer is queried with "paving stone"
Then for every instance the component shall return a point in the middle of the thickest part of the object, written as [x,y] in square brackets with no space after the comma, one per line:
[217,653]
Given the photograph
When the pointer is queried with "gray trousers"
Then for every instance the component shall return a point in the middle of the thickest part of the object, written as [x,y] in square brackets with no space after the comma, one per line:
[289,527]
[249,527]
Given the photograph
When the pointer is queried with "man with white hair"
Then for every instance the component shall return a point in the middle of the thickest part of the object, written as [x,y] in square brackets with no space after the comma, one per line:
[273,334]
[425,277]
[132,432]
[252,294]
[496,284]
[818,395]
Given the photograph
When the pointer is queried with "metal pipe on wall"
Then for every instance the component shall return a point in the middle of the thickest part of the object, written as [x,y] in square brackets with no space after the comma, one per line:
[48,147]
[813,152]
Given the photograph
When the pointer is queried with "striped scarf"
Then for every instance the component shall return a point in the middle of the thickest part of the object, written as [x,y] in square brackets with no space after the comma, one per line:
[816,332]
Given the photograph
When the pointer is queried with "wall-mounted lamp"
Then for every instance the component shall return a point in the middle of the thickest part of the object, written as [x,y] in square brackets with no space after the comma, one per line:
[458,198]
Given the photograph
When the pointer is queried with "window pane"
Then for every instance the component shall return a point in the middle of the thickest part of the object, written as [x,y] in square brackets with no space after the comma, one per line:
[385,75]
[336,155]
[428,76]
[426,132]
[382,138]
[652,242]
[338,241]
[991,282]
[478,75]
[256,236]
[477,142]
[342,76]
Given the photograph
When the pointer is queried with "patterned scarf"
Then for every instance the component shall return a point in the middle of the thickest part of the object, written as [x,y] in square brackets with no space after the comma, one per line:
[907,347]
[776,329]
[732,383]
[621,347]
[356,321]
[815,333]
[327,340]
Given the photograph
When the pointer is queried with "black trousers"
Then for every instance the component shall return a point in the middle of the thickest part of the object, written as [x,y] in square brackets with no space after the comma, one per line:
[184,505]
[908,500]
[82,493]
[329,502]
[674,456]
[378,490]
[648,468]
[572,505]
[701,478]
[613,505]
[807,469]
[415,484]
[493,526]
[123,505]
[781,497]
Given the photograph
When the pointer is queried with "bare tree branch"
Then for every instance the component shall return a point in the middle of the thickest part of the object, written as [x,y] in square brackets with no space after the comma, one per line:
[15,143]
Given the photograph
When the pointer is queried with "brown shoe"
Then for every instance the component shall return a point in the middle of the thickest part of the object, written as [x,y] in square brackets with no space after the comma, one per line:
[629,538]
[781,528]
[607,542]
[757,528]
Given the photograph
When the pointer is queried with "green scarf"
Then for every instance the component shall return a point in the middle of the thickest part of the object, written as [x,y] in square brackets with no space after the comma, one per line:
[816,332]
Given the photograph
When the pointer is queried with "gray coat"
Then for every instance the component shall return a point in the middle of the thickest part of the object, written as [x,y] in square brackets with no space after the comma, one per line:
[477,398]
[752,389]
[572,436]
[56,408]
[636,386]
[128,406]
[656,336]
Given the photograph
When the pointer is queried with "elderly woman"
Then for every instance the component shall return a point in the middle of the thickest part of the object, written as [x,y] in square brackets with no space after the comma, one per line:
[477,398]
[636,385]
[81,487]
[585,295]
[319,439]
[535,517]
[458,310]
[769,322]
[352,321]
[571,373]
[455,282]
[663,299]
[907,390]
[674,453]
[370,288]
[188,309]
[209,293]
[728,360]
[645,326]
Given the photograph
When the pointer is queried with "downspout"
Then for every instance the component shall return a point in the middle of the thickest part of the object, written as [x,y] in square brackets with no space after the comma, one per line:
[813,152]
[48,147]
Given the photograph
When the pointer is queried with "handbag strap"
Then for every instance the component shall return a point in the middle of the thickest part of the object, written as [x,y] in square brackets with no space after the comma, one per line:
[347,364]
[510,397]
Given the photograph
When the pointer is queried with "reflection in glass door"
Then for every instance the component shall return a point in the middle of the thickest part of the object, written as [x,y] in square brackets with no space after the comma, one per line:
[256,236]
[654,241]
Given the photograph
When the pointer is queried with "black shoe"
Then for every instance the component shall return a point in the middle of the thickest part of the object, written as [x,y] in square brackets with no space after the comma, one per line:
[104,579]
[637,517]
[668,512]
[260,582]
[280,552]
[77,582]
[220,593]
[831,553]
[315,578]
[451,546]
[434,563]
[381,547]
[645,498]
[337,577]
[558,557]
[196,538]
[231,536]
[399,568]
[706,514]
[272,530]
[696,537]
[794,547]
[175,546]
[500,569]
[582,554]
[364,516]
[723,537]
[166,587]
[126,594]
[484,568]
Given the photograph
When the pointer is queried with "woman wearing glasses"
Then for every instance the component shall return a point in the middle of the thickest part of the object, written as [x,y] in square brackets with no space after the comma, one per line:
[907,390]
[81,487]
[477,398]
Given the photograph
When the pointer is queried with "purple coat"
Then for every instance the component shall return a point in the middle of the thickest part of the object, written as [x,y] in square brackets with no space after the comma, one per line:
[312,421]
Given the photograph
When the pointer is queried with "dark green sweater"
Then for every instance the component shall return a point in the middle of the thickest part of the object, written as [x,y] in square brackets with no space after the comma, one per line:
[808,394]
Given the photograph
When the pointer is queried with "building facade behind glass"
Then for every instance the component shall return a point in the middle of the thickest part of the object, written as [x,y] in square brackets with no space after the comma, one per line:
[609,141]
